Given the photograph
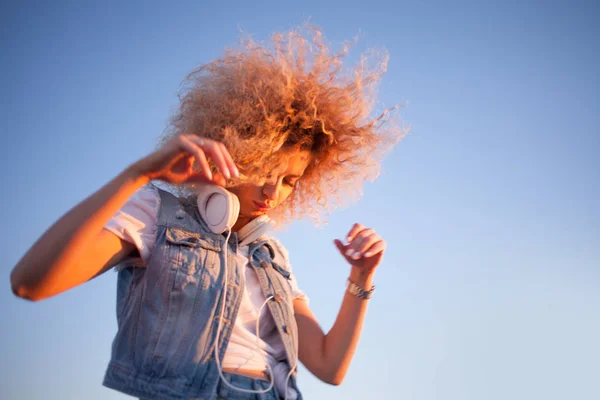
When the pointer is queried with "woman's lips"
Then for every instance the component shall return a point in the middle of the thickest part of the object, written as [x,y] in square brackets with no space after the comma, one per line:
[261,206]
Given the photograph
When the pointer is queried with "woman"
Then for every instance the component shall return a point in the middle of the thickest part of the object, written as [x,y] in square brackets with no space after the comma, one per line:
[217,313]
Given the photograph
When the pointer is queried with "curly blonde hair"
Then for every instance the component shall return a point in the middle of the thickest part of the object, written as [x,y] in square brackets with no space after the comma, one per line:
[260,100]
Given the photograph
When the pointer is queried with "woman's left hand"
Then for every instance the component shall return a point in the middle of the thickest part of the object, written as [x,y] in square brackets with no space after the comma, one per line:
[364,248]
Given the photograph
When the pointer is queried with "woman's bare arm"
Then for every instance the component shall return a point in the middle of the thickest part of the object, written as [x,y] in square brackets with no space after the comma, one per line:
[77,248]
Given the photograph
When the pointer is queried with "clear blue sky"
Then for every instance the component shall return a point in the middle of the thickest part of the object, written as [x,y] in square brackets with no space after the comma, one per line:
[491,285]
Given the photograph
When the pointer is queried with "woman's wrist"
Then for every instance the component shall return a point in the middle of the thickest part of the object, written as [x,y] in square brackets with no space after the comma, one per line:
[358,291]
[137,173]
[362,278]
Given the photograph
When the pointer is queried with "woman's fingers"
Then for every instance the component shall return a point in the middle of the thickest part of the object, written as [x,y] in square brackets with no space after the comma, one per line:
[175,161]
[218,152]
[229,160]
[340,246]
[213,150]
[194,149]
[375,249]
[363,241]
[199,177]
[355,230]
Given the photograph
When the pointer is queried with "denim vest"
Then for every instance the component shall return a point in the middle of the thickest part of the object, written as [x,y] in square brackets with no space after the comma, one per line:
[168,313]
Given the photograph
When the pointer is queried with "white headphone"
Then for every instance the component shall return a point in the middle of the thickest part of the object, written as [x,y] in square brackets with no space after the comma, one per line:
[220,209]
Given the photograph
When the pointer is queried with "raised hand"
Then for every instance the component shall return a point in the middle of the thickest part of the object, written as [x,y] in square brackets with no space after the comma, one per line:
[175,161]
[364,248]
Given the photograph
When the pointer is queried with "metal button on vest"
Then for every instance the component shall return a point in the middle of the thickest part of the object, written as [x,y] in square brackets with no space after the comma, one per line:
[277,298]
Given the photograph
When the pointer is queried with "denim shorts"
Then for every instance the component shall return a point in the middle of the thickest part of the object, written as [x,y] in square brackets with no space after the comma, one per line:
[243,382]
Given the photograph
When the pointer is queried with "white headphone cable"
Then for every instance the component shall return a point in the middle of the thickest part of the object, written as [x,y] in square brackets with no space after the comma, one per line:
[272,380]
[271,375]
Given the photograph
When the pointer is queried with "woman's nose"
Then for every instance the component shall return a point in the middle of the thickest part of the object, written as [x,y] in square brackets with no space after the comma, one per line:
[271,190]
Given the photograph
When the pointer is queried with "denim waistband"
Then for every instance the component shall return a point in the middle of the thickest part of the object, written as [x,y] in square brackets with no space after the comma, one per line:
[243,382]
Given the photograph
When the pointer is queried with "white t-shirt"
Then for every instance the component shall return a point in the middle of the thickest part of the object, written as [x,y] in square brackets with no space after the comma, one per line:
[136,223]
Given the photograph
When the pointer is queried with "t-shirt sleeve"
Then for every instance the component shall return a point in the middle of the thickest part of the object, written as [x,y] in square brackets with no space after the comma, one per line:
[136,221]
[297,293]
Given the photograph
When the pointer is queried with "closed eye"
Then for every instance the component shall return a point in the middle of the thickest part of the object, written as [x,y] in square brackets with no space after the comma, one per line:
[289,182]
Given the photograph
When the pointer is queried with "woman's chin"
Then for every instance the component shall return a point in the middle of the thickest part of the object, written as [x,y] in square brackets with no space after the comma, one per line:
[256,214]
[249,216]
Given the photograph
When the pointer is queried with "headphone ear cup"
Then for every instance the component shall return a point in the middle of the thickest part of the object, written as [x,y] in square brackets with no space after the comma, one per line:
[234,208]
[218,208]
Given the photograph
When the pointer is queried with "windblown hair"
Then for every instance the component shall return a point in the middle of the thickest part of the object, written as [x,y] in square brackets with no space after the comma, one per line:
[260,100]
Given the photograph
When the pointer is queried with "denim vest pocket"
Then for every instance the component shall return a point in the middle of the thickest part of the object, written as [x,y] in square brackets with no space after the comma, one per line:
[194,258]
[192,263]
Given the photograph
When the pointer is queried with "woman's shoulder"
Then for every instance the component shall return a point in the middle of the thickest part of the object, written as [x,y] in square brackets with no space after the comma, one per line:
[146,194]
[143,204]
